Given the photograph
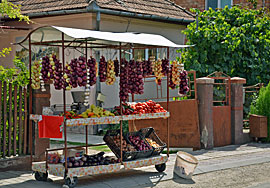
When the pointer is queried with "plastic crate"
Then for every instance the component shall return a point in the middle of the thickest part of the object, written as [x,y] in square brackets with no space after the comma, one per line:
[140,154]
[150,133]
[115,149]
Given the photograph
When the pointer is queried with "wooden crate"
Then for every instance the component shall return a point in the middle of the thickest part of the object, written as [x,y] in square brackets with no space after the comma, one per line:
[258,126]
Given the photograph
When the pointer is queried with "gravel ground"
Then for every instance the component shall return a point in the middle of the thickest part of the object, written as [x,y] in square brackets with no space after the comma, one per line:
[248,176]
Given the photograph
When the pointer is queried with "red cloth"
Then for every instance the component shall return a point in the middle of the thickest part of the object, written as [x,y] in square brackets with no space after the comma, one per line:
[49,127]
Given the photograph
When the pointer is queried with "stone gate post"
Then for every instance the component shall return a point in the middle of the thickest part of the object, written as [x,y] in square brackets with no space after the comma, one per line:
[205,97]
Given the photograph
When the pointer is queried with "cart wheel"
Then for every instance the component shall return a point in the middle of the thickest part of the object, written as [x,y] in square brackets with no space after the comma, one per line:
[161,167]
[71,182]
[39,176]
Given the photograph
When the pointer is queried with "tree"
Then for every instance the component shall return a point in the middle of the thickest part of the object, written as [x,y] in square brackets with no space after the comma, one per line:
[235,41]
[12,11]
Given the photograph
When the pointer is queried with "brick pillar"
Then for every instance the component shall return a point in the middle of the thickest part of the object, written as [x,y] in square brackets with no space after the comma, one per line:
[237,110]
[205,97]
[40,100]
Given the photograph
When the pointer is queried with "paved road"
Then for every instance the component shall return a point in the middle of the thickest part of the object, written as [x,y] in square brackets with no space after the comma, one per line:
[252,176]
[230,166]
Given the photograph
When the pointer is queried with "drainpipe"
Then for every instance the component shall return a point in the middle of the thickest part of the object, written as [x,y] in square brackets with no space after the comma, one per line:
[98,20]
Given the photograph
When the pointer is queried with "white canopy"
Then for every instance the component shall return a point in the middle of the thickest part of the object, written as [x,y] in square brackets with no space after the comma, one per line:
[52,34]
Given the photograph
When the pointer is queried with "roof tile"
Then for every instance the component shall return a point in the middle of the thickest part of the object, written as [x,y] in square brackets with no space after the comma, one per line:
[163,8]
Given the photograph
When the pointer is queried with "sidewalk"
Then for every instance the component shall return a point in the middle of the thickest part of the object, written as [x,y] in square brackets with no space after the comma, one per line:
[209,160]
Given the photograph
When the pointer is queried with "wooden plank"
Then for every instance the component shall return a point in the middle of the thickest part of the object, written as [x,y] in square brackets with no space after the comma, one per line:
[15,122]
[5,119]
[0,117]
[25,121]
[10,119]
[20,120]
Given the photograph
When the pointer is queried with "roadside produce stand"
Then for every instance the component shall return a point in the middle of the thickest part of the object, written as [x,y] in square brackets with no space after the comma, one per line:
[86,39]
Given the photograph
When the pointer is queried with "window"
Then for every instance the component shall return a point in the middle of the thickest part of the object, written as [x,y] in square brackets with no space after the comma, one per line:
[217,4]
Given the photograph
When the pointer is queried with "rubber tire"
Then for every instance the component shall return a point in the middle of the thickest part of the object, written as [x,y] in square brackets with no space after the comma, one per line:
[39,176]
[69,183]
[160,167]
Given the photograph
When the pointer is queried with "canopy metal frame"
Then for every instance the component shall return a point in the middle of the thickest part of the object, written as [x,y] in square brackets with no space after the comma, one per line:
[64,44]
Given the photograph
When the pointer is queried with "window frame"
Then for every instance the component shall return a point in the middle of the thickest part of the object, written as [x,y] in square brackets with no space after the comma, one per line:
[218,4]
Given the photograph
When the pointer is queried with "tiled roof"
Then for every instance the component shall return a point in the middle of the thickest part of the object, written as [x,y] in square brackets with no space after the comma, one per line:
[162,8]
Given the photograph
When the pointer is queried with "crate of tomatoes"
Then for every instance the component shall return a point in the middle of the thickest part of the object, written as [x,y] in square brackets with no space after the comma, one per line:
[152,138]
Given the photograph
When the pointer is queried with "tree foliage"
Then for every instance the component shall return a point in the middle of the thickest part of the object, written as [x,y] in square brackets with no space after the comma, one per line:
[18,75]
[12,11]
[235,41]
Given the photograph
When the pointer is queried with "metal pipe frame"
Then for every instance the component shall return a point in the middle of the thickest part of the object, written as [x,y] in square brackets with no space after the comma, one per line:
[64,101]
[120,47]
[168,101]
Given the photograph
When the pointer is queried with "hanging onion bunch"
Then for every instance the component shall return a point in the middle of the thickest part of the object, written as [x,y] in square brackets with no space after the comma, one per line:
[81,71]
[157,69]
[124,90]
[147,68]
[165,66]
[172,85]
[73,74]
[67,76]
[139,78]
[58,74]
[46,70]
[183,89]
[175,72]
[102,69]
[116,67]
[35,75]
[110,73]
[135,75]
[91,64]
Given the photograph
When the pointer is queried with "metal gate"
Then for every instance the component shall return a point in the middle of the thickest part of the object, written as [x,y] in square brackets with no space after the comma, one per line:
[221,108]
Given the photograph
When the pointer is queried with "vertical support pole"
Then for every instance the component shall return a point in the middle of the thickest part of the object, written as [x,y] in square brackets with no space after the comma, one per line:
[121,111]
[86,127]
[64,101]
[168,101]
[30,101]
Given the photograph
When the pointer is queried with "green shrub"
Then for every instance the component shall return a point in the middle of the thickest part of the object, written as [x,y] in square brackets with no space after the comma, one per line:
[261,106]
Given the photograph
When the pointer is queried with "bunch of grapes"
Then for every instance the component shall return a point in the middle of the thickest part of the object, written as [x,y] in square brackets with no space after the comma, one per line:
[175,72]
[165,66]
[46,70]
[35,75]
[147,68]
[58,74]
[116,67]
[110,73]
[91,63]
[102,69]
[123,94]
[183,89]
[157,69]
[81,71]
[172,85]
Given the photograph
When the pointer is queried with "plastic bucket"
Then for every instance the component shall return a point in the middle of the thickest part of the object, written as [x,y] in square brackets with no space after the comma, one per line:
[185,165]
